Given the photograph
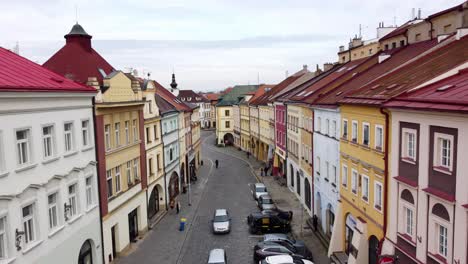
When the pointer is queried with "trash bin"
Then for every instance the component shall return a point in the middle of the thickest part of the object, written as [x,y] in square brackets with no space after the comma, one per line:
[182,224]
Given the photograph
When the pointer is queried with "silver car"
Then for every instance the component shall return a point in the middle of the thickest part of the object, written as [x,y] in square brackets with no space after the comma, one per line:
[259,189]
[221,222]
[217,256]
[265,202]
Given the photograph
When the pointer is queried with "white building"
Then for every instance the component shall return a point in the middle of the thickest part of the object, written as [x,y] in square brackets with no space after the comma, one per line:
[49,209]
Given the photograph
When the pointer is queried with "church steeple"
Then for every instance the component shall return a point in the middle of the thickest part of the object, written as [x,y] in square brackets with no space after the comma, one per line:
[78,35]
[173,84]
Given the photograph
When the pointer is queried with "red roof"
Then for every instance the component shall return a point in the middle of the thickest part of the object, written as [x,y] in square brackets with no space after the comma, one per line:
[212,96]
[19,74]
[398,57]
[444,57]
[266,97]
[78,61]
[398,31]
[449,94]
[169,97]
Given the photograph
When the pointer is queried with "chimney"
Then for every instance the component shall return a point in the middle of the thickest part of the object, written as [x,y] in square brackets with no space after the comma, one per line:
[93,82]
[304,67]
[413,15]
[419,13]
[327,66]
[341,48]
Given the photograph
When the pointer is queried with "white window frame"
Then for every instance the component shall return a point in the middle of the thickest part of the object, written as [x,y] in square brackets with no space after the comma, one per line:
[24,154]
[365,178]
[118,179]
[85,135]
[318,126]
[364,126]
[73,200]
[127,132]
[327,126]
[4,238]
[107,136]
[376,137]
[354,132]
[438,240]
[334,175]
[49,138]
[29,225]
[376,183]
[129,173]
[405,147]
[53,211]
[89,189]
[333,128]
[344,176]
[135,169]
[438,157]
[327,170]
[345,129]
[69,143]
[135,130]
[409,226]
[354,181]
[110,184]
[117,134]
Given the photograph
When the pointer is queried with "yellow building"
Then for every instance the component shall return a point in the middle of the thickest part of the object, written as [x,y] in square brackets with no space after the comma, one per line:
[224,125]
[245,126]
[305,130]
[122,161]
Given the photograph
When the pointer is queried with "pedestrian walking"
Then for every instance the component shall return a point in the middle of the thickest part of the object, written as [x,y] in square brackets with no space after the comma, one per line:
[216,163]
[248,154]
[315,222]
[262,172]
[178,207]
[266,170]
[171,204]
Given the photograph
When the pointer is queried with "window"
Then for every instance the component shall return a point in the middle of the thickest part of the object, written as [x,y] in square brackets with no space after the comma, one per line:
[327,126]
[155,131]
[418,37]
[226,112]
[129,173]
[109,183]
[89,191]
[228,124]
[73,200]
[53,213]
[107,136]
[165,127]
[345,129]
[333,173]
[326,170]
[442,240]
[148,140]
[409,220]
[135,169]
[409,144]
[365,134]
[379,137]
[319,124]
[117,134]
[68,128]
[117,179]
[150,164]
[158,165]
[447,28]
[3,238]
[354,177]
[47,141]
[317,165]
[393,45]
[333,129]
[127,135]
[445,150]
[28,224]
[354,131]
[386,46]
[365,188]
[402,43]
[22,144]
[378,196]
[344,176]
[135,130]
[85,132]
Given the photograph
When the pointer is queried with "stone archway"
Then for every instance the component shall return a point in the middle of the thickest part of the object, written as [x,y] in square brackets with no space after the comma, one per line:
[182,174]
[228,139]
[298,183]
[307,192]
[86,253]
[173,186]
[153,203]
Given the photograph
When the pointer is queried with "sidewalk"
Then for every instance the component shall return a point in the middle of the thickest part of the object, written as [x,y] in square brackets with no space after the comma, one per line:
[285,200]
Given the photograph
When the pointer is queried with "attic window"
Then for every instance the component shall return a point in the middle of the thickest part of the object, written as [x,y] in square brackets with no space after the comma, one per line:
[57,80]
[445,87]
[189,99]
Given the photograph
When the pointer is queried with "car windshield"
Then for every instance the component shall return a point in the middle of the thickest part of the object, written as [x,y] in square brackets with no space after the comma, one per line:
[267,200]
[261,189]
[221,218]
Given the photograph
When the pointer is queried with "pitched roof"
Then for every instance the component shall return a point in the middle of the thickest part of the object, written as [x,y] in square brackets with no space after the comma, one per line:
[442,58]
[19,74]
[77,60]
[268,96]
[397,57]
[449,94]
[212,96]
[448,10]
[235,95]
[163,105]
[398,31]
[170,98]
[194,97]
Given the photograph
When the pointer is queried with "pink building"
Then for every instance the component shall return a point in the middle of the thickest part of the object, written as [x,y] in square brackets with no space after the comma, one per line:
[279,162]
[428,212]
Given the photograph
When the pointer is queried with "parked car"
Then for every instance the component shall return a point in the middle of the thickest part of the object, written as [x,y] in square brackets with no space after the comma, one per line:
[221,221]
[266,249]
[284,259]
[269,221]
[217,256]
[258,189]
[288,241]
[265,202]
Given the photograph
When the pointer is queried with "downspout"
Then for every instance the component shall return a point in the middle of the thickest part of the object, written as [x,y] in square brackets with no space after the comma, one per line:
[432,28]
[98,178]
[312,159]
[385,200]
[164,167]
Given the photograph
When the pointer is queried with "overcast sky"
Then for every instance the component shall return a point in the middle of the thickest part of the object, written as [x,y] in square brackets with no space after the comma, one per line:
[210,44]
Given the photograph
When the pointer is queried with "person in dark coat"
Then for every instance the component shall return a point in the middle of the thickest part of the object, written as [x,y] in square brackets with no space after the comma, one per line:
[315,222]
[248,154]
[178,207]
[216,163]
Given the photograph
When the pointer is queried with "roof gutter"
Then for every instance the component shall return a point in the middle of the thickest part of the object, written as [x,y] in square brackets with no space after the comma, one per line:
[385,200]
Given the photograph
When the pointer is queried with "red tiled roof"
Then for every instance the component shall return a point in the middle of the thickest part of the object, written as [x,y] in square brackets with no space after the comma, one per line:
[193,95]
[212,96]
[397,58]
[19,74]
[445,56]
[398,31]
[78,61]
[266,97]
[169,97]
[449,94]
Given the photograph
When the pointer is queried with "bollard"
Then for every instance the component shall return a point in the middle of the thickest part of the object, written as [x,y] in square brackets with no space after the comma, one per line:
[182,224]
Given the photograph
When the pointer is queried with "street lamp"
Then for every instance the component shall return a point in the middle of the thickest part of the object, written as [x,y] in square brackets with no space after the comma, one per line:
[192,169]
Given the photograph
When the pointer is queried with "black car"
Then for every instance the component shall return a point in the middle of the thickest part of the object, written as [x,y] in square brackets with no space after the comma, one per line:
[266,249]
[268,221]
[290,242]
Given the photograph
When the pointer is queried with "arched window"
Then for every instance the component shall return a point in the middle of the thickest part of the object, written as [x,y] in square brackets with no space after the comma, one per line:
[440,210]
[307,192]
[86,255]
[298,183]
[291,175]
[407,196]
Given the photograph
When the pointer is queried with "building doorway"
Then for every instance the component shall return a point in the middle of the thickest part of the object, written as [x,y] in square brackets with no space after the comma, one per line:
[373,249]
[114,248]
[86,254]
[298,183]
[153,204]
[228,139]
[291,175]
[133,225]
[330,220]
[350,225]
